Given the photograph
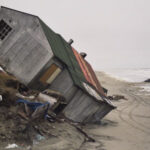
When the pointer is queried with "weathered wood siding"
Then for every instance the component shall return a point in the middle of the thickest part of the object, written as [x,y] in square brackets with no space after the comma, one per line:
[80,107]
[25,50]
[64,84]
[103,109]
[83,108]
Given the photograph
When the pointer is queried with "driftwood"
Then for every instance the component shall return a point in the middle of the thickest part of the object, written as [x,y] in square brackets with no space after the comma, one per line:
[88,138]
[117,97]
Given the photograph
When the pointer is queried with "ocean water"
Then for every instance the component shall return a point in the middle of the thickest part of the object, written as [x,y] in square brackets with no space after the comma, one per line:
[131,75]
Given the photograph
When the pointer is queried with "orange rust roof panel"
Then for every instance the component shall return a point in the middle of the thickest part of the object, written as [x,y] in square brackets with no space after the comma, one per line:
[88,72]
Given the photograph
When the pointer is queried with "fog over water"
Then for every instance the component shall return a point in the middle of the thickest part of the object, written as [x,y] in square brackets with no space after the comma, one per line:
[114,33]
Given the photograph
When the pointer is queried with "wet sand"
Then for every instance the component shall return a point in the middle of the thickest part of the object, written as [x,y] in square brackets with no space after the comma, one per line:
[127,127]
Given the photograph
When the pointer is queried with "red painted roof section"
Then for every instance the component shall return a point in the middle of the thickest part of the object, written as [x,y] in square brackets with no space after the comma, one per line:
[88,72]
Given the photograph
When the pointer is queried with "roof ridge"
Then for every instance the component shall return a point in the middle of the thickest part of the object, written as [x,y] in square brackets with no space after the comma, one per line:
[18,11]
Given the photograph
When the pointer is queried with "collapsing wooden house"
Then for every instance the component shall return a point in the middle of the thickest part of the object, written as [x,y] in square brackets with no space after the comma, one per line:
[42,59]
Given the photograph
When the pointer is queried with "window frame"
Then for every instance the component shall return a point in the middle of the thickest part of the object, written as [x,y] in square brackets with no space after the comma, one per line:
[5,31]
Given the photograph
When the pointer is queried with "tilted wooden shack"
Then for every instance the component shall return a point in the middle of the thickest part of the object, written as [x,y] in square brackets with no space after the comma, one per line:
[42,59]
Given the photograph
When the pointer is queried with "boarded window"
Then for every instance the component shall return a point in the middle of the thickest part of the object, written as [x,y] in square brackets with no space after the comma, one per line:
[51,73]
[4,29]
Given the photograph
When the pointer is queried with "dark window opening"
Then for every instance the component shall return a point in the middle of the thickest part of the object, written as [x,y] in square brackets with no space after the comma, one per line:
[59,108]
[4,29]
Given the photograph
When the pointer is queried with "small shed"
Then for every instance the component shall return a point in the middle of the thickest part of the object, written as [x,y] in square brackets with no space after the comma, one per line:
[42,59]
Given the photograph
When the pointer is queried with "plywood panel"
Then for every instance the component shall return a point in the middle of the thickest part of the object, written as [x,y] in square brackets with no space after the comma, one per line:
[54,75]
[48,73]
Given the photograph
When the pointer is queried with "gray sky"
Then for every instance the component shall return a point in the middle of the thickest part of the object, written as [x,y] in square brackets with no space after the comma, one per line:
[114,33]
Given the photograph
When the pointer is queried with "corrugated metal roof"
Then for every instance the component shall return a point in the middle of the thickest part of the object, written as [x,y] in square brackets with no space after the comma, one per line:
[88,72]
[98,85]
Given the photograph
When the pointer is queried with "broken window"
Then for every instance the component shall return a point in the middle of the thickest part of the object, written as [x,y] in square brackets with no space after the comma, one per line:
[4,29]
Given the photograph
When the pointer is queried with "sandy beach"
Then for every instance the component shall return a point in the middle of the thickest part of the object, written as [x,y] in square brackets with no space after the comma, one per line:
[125,128]
[128,126]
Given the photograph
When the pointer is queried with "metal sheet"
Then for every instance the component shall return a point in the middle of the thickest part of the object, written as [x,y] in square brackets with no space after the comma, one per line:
[88,72]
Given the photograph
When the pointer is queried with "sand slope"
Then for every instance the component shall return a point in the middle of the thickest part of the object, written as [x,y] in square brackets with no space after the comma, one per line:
[127,127]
